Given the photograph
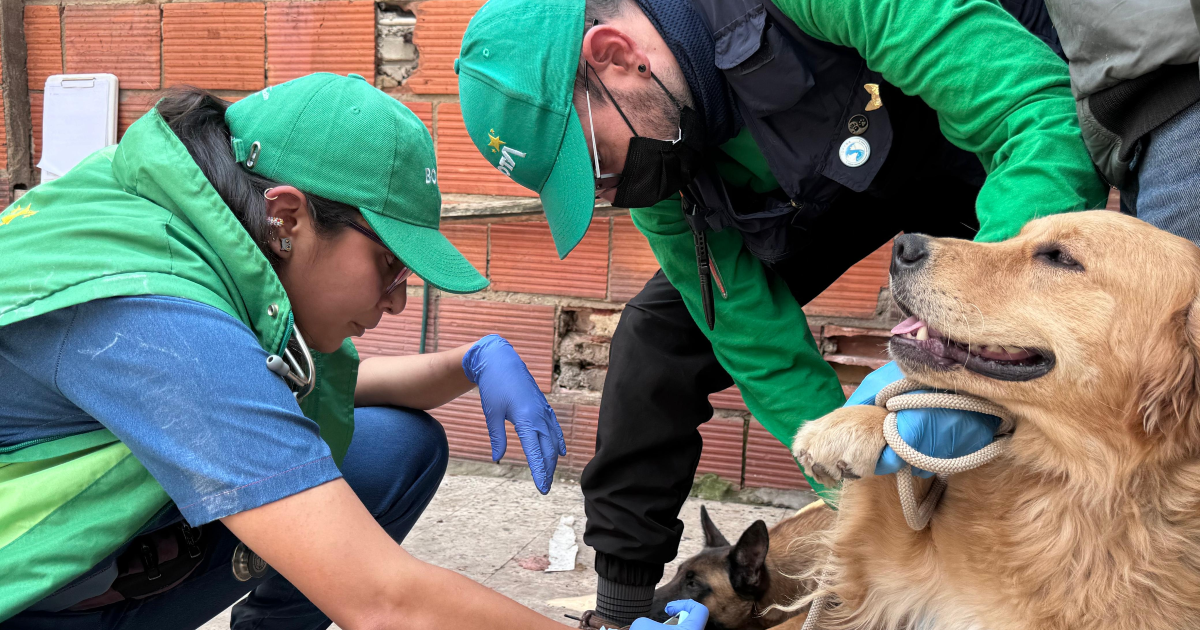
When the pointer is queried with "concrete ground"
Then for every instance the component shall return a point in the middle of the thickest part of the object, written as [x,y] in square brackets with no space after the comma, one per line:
[490,524]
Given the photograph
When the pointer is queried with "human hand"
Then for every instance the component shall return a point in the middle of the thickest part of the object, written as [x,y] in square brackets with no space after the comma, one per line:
[942,433]
[697,617]
[507,391]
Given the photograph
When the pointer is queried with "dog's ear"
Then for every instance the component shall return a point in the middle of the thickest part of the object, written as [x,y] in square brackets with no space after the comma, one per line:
[748,561]
[712,536]
[1169,388]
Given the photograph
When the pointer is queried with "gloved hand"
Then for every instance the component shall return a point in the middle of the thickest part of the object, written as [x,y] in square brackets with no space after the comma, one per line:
[943,433]
[507,391]
[697,617]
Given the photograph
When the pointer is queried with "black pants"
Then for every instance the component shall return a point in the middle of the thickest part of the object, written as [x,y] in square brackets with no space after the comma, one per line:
[662,368]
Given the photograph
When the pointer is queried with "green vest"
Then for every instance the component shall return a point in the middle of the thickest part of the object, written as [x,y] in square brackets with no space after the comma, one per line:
[139,218]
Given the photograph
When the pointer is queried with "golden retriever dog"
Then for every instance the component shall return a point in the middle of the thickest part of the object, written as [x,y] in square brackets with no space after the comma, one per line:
[1086,327]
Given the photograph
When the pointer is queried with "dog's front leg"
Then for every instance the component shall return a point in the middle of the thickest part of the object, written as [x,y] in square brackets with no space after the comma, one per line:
[844,444]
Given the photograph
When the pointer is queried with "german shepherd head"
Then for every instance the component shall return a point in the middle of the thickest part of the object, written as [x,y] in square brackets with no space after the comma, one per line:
[738,582]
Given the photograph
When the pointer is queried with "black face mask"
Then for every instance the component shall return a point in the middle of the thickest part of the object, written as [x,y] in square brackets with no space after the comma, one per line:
[656,169]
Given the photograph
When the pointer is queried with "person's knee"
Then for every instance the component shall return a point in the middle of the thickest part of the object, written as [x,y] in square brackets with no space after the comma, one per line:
[426,439]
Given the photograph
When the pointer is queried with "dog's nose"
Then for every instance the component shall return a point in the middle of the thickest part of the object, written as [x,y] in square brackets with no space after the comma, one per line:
[909,252]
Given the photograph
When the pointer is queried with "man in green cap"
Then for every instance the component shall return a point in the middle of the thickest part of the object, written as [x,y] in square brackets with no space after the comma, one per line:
[763,147]
[186,424]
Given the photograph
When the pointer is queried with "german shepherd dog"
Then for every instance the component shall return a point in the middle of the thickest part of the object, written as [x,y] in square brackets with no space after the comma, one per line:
[740,582]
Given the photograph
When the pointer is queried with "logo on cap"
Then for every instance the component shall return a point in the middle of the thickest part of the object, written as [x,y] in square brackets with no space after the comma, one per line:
[494,141]
[506,160]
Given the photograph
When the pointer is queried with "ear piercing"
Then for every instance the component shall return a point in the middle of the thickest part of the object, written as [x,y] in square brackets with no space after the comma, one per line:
[275,222]
[267,192]
[285,244]
[641,67]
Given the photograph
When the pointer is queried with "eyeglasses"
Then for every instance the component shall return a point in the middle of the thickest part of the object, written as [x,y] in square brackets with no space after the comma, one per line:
[601,186]
[404,271]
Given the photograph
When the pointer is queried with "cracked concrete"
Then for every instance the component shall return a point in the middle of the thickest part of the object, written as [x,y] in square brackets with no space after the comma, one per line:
[484,526]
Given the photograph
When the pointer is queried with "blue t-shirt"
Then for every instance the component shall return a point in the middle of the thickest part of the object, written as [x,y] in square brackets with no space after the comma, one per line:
[182,384]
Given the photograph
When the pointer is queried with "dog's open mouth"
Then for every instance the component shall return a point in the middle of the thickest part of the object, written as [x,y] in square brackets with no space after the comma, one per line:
[915,341]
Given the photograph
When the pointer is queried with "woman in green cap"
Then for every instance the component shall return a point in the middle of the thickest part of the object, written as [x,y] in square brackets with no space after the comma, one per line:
[184,414]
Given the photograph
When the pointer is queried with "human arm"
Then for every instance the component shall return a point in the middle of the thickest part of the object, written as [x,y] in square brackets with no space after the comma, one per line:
[999,92]
[326,543]
[506,391]
[761,336]
[416,381]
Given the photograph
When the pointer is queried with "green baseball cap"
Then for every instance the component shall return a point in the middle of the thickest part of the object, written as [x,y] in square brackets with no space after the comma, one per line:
[516,75]
[340,138]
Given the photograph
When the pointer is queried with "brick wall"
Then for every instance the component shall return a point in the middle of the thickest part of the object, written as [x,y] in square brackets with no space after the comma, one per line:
[559,314]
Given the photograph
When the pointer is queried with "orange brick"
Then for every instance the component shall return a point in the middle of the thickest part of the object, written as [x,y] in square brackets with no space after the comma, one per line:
[424,111]
[581,441]
[632,261]
[214,45]
[769,463]
[3,142]
[43,43]
[396,335]
[461,169]
[1114,200]
[438,38]
[306,37]
[728,399]
[856,293]
[36,102]
[131,106]
[121,39]
[528,327]
[524,260]
[722,452]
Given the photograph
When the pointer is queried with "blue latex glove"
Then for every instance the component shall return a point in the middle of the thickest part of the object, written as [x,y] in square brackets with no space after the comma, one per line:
[697,617]
[943,433]
[508,392]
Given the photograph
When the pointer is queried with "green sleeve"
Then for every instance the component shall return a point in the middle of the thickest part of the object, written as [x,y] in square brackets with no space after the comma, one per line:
[999,92]
[761,336]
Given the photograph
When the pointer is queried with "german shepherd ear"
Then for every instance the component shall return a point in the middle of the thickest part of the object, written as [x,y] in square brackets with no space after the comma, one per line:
[712,536]
[748,562]
[1169,391]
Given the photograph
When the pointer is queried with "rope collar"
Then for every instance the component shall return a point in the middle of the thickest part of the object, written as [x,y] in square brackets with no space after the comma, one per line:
[896,398]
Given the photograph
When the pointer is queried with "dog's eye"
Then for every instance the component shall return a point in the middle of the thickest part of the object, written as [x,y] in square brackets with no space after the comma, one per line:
[1055,255]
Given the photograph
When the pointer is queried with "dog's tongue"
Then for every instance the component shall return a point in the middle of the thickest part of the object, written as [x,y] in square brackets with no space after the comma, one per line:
[909,325]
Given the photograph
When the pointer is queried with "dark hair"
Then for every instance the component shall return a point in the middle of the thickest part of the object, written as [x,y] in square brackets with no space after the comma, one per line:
[198,118]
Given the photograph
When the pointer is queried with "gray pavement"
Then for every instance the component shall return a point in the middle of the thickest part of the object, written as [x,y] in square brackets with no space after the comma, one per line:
[488,527]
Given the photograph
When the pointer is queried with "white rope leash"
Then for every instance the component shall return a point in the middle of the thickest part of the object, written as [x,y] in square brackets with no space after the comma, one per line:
[896,398]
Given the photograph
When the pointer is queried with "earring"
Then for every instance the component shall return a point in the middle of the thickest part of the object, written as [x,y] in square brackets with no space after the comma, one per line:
[641,67]
[266,192]
[285,244]
[275,222]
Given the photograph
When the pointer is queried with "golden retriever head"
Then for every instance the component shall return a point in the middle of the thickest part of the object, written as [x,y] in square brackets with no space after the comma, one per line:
[1086,325]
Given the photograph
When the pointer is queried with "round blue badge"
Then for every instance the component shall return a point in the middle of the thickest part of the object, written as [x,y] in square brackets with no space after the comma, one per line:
[855,151]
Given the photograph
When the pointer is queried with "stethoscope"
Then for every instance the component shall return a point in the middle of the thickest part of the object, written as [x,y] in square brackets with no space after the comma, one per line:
[300,379]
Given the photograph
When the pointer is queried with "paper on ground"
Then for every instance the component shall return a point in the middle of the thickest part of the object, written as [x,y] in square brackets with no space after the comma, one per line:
[578,604]
[563,547]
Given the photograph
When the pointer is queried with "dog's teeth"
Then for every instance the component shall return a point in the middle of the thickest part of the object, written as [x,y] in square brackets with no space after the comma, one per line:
[922,333]
[993,348]
[1013,350]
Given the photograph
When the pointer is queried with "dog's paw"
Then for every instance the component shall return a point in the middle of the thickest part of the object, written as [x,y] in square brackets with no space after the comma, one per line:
[842,445]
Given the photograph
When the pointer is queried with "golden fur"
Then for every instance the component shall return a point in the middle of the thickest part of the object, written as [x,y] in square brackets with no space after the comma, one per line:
[1092,520]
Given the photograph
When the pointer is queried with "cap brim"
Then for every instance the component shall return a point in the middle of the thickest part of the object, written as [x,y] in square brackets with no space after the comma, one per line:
[428,253]
[569,194]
